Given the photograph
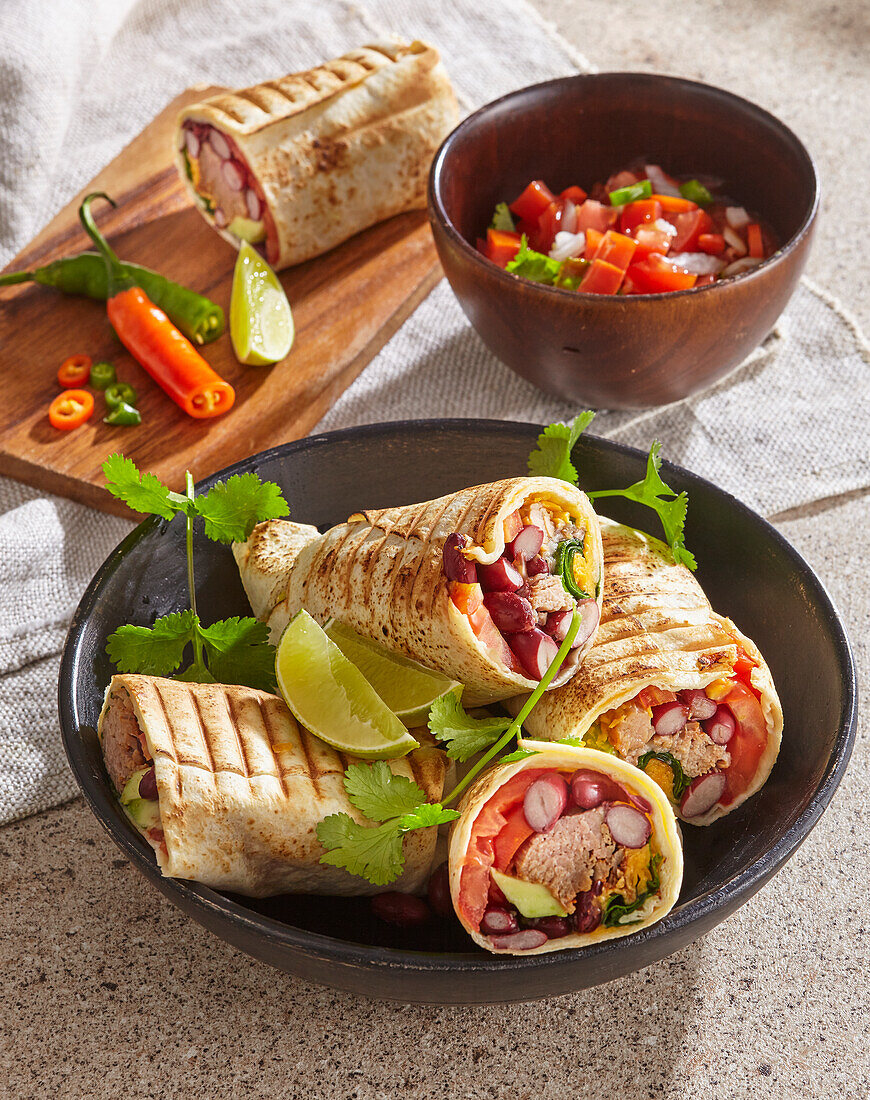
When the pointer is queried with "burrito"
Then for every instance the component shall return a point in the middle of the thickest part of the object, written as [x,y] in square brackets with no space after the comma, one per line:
[480,585]
[229,790]
[296,166]
[669,685]
[564,848]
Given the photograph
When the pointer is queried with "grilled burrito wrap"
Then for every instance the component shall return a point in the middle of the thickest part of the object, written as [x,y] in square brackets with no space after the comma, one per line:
[229,789]
[564,848]
[474,584]
[669,685]
[296,166]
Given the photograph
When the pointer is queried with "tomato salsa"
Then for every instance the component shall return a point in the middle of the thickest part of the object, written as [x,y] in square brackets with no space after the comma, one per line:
[641,232]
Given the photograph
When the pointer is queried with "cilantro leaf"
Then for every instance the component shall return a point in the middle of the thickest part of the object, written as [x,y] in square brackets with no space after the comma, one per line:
[373,853]
[153,650]
[576,742]
[519,754]
[239,652]
[233,507]
[652,492]
[142,492]
[534,265]
[426,814]
[552,456]
[502,218]
[379,794]
[466,736]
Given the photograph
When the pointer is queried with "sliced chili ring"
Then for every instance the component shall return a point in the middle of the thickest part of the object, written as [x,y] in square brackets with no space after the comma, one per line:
[102,375]
[74,371]
[70,409]
[120,393]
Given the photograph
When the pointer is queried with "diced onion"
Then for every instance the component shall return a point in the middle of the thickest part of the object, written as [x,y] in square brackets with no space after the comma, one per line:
[661,184]
[569,217]
[740,266]
[736,217]
[566,245]
[734,240]
[665,227]
[696,263]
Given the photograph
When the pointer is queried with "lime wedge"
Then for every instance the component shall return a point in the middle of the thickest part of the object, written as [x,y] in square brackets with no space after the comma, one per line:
[330,696]
[408,689]
[261,324]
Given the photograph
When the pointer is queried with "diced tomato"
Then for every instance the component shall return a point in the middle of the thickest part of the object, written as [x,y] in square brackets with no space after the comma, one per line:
[576,194]
[689,228]
[507,843]
[549,224]
[467,598]
[512,526]
[754,241]
[654,275]
[653,696]
[488,633]
[621,179]
[615,248]
[639,213]
[593,240]
[748,743]
[595,215]
[673,205]
[712,243]
[501,246]
[705,280]
[649,239]
[601,278]
[532,203]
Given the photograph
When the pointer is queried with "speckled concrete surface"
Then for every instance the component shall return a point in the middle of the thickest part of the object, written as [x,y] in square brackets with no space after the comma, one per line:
[108,991]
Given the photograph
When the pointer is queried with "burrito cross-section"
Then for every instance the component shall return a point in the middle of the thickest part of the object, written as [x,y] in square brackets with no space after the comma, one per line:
[229,789]
[480,585]
[296,166]
[669,685]
[563,848]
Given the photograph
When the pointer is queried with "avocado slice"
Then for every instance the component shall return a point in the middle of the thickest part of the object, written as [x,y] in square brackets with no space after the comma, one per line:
[532,899]
[144,812]
[247,230]
[131,787]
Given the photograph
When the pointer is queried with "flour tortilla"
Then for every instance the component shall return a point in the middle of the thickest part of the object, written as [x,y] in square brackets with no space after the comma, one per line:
[381,574]
[242,788]
[665,836]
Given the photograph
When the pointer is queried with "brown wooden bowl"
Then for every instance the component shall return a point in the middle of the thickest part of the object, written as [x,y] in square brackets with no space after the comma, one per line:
[620,351]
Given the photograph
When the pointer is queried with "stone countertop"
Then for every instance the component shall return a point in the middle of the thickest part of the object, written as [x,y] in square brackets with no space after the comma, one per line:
[110,991]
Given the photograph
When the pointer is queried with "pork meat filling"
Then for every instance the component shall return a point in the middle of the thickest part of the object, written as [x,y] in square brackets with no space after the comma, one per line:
[632,734]
[124,747]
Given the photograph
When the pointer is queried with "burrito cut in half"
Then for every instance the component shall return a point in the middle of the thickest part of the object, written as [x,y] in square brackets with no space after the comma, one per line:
[479,585]
[669,685]
[563,848]
[296,166]
[229,789]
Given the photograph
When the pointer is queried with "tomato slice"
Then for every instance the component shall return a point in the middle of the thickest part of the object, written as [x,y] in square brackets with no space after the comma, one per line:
[595,215]
[648,239]
[549,224]
[748,743]
[467,598]
[655,275]
[507,843]
[689,228]
[642,212]
[601,278]
[652,696]
[615,248]
[712,243]
[75,371]
[576,194]
[501,246]
[533,201]
[70,409]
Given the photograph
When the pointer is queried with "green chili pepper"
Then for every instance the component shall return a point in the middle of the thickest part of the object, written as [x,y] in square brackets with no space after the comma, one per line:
[696,192]
[102,375]
[198,318]
[565,552]
[123,415]
[636,191]
[119,393]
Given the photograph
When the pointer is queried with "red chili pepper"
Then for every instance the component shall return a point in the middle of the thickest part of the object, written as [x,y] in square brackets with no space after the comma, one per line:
[70,408]
[74,371]
[152,339]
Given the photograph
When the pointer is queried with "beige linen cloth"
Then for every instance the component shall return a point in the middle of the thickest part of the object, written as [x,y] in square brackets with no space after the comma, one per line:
[79,79]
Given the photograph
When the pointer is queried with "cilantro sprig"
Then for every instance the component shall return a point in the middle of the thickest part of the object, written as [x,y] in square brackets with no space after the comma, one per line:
[231,651]
[552,458]
[375,852]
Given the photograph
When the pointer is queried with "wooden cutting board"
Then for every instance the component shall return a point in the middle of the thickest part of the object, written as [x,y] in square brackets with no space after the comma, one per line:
[346,305]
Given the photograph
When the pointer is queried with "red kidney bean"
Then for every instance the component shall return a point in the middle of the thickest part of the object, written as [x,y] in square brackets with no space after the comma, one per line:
[234,174]
[557,625]
[721,727]
[534,566]
[510,612]
[545,801]
[554,927]
[192,141]
[499,922]
[456,566]
[590,614]
[669,718]
[220,218]
[252,202]
[524,590]
[148,785]
[629,826]
[528,543]
[402,909]
[219,143]
[495,896]
[534,650]
[526,940]
[702,794]
[587,913]
[590,788]
[500,576]
[438,890]
[700,705]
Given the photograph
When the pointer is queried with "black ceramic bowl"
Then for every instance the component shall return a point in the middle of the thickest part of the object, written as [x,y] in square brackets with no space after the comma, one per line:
[749,571]
[620,351]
